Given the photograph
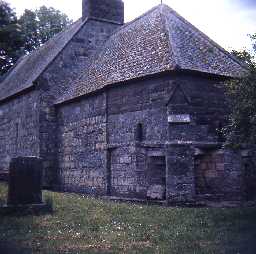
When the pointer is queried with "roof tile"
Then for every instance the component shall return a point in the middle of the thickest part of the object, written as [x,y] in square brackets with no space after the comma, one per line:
[158,41]
[29,67]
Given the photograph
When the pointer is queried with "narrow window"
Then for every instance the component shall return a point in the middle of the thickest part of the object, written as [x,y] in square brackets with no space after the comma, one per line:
[16,131]
[139,132]
[16,136]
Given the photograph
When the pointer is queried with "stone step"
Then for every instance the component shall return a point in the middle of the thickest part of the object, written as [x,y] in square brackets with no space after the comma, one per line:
[210,197]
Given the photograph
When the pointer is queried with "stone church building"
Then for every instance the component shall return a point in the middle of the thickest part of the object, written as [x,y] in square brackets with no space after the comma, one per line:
[128,110]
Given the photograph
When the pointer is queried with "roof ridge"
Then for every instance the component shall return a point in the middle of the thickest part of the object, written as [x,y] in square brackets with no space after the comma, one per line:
[28,81]
[157,41]
[96,56]
[136,19]
[67,42]
[23,57]
[169,35]
[20,59]
[203,35]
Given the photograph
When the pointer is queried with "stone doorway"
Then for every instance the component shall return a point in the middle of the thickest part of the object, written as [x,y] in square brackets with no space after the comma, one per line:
[209,173]
[157,177]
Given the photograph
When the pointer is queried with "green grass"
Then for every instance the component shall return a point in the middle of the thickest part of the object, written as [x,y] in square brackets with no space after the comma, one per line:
[86,225]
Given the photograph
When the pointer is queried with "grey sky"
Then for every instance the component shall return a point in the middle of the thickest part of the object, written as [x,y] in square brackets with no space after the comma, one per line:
[228,22]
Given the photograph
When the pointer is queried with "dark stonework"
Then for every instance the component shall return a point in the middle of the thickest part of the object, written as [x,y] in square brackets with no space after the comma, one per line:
[25,181]
[180,176]
[19,128]
[57,79]
[112,11]
[28,123]
[150,139]
[82,144]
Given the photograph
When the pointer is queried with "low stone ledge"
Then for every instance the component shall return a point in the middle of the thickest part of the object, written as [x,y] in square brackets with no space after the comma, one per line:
[187,204]
[134,200]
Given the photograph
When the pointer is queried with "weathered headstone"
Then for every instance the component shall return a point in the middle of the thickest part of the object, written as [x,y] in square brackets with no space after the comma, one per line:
[25,181]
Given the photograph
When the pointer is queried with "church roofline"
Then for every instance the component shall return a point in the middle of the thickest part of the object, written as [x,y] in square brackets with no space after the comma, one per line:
[30,81]
[157,41]
[60,102]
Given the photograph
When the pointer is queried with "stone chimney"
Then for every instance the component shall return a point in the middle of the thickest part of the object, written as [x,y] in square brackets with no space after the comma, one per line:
[108,10]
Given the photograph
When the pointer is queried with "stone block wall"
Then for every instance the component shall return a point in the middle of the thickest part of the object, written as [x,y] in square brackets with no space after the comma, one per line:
[148,103]
[34,116]
[203,100]
[19,128]
[180,173]
[219,174]
[55,81]
[233,165]
[82,146]
[141,102]
[249,173]
[121,164]
[132,174]
[215,174]
[123,173]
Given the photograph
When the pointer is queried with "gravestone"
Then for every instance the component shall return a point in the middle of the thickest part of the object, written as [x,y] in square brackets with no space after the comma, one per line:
[25,181]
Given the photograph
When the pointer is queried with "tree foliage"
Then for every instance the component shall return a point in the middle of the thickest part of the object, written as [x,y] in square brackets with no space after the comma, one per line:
[30,31]
[11,39]
[29,27]
[40,25]
[242,93]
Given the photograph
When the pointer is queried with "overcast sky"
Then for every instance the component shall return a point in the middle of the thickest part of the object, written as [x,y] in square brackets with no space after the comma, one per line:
[228,22]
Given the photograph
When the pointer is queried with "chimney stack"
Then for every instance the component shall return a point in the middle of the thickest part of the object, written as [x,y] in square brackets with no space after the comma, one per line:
[108,10]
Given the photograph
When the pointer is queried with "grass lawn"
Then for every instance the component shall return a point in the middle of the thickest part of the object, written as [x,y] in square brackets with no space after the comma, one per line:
[86,225]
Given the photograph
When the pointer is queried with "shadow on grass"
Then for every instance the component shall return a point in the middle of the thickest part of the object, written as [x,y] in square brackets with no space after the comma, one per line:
[12,248]
[241,232]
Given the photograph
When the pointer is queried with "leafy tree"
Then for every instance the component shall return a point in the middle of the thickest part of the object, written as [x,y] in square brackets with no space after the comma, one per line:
[50,22]
[34,28]
[40,25]
[242,93]
[29,26]
[11,39]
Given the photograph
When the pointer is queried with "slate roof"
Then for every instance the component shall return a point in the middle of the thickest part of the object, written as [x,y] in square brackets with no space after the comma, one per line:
[160,40]
[29,67]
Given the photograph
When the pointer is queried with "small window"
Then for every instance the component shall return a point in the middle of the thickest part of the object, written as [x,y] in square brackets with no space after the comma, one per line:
[16,132]
[139,132]
[16,136]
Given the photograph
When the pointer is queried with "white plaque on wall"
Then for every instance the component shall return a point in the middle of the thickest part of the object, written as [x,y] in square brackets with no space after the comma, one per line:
[179,118]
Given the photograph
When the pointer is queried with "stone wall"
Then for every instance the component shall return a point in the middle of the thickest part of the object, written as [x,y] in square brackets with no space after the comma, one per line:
[19,128]
[249,173]
[55,81]
[123,162]
[20,131]
[123,172]
[148,103]
[180,173]
[82,143]
[218,173]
